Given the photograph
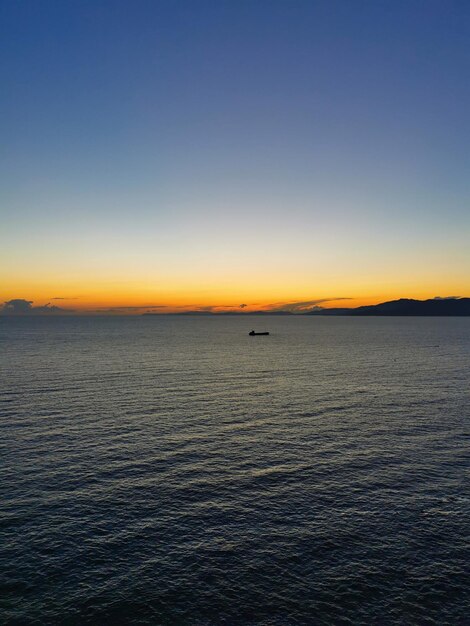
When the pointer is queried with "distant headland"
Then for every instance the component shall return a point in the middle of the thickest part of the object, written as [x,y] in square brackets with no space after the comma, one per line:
[437,307]
[406,307]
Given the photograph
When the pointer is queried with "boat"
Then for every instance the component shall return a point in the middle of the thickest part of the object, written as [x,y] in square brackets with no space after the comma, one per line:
[252,333]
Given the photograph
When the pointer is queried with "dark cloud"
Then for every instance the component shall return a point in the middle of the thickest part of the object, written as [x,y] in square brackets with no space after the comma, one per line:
[17,307]
[242,306]
[447,297]
[20,306]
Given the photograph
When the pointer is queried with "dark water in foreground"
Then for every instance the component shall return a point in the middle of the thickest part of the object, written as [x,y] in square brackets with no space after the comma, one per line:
[174,470]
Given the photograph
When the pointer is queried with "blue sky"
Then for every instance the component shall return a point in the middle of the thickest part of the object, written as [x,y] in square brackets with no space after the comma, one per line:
[146,136]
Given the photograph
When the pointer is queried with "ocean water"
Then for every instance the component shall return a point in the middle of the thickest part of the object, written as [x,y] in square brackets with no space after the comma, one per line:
[174,470]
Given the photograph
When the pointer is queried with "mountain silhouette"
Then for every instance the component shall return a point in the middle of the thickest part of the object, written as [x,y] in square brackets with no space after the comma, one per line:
[405,306]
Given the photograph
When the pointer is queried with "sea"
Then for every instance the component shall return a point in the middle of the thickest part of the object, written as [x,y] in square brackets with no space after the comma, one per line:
[174,470]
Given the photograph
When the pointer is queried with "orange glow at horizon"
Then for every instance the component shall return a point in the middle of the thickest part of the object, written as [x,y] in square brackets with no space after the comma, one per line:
[137,298]
[131,284]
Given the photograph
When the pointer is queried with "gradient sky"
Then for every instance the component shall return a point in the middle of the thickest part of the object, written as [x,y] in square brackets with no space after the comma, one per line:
[191,154]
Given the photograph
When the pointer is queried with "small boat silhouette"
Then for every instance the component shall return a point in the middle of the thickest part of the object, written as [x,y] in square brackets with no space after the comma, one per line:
[252,333]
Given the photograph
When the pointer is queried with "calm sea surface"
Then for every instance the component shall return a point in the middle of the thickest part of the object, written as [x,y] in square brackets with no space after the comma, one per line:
[174,470]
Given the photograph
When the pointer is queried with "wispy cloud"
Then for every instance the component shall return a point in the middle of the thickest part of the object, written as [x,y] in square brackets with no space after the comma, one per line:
[61,298]
[131,309]
[302,307]
[219,307]
[21,306]
[447,297]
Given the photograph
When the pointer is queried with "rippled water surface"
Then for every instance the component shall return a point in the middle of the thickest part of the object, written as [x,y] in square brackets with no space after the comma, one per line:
[173,470]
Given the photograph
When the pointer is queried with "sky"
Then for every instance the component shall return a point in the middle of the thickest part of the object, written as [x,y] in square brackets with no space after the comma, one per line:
[174,155]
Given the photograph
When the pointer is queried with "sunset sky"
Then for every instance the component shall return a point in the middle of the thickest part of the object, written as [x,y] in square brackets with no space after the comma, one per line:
[191,154]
